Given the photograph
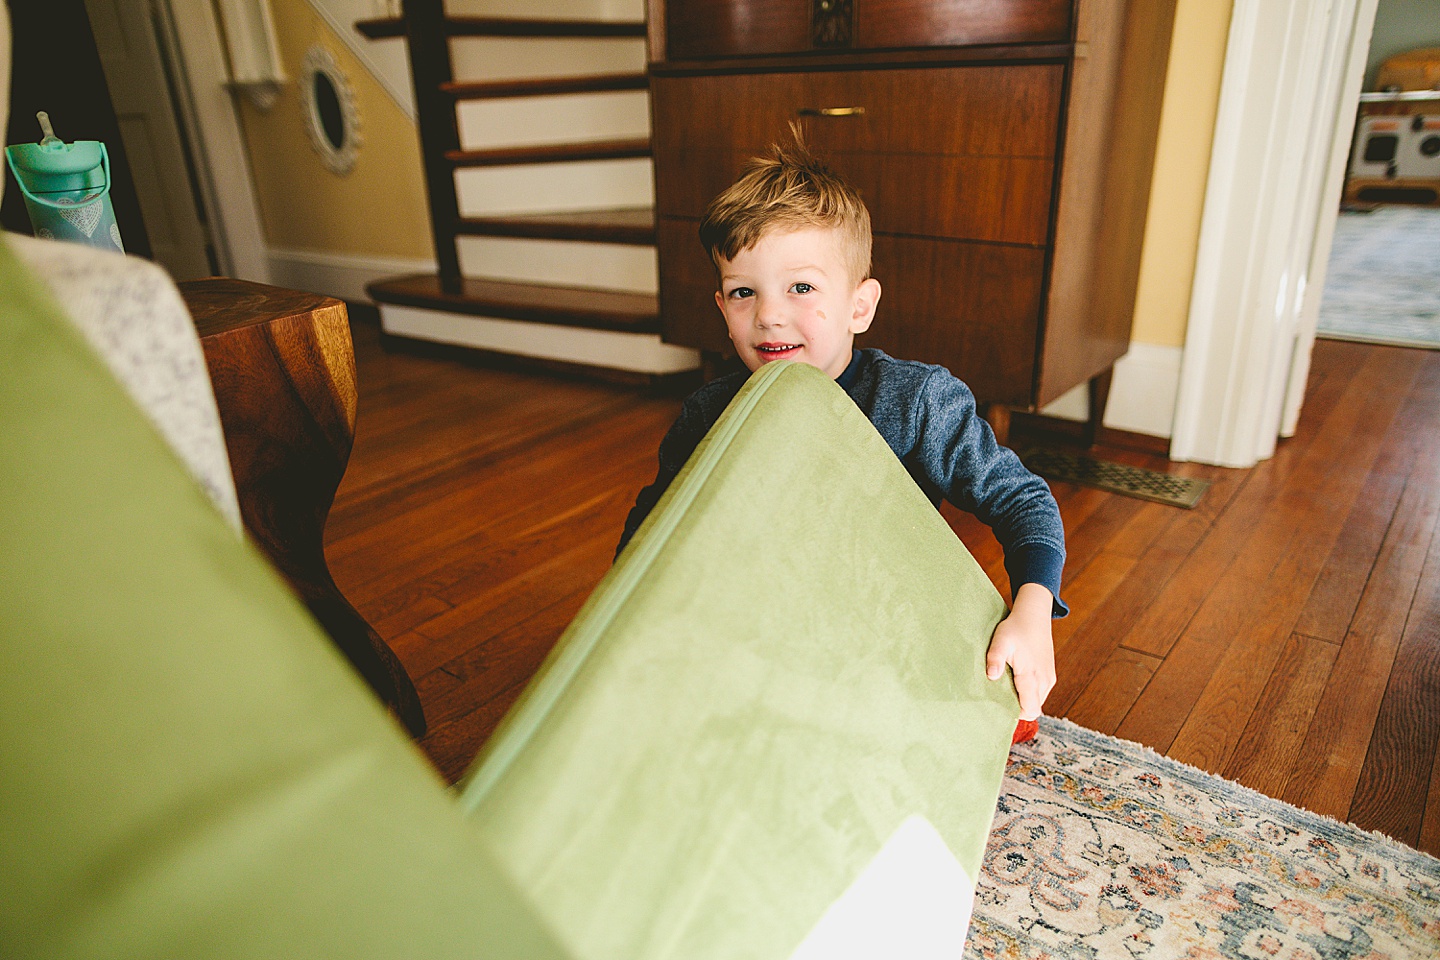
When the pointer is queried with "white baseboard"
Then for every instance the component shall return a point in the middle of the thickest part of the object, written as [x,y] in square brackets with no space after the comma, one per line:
[610,349]
[1142,394]
[342,275]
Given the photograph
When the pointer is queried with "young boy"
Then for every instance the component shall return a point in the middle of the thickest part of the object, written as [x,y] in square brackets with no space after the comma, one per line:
[791,244]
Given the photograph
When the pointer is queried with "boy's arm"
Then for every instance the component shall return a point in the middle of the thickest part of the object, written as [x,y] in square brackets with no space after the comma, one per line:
[1023,641]
[680,441]
[699,413]
[957,450]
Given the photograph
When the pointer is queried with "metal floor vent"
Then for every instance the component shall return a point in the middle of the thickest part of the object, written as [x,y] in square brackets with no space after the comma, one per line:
[1117,478]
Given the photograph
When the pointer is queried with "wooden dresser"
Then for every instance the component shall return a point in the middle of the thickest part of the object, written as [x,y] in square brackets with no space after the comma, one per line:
[1004,148]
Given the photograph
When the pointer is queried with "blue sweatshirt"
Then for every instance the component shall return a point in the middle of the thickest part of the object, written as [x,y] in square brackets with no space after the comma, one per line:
[929,419]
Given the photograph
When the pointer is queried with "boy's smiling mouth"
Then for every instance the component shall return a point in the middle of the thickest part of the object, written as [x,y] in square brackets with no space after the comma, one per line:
[776,351]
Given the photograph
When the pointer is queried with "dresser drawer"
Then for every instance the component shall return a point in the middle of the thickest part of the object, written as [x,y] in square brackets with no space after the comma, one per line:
[700,29]
[955,152]
[882,24]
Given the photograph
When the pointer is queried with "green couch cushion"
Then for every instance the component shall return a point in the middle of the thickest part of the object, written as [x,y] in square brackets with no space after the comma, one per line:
[783,674]
[187,767]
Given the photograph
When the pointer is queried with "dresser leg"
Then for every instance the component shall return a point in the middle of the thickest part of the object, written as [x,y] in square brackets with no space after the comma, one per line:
[998,417]
[1099,396]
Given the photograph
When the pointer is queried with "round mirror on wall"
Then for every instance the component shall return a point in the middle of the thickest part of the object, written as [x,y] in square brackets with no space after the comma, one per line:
[328,103]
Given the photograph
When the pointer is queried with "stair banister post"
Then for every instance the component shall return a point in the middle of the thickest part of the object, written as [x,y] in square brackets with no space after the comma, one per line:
[427,41]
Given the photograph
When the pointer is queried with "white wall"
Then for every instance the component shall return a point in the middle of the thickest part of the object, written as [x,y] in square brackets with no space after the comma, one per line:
[1401,26]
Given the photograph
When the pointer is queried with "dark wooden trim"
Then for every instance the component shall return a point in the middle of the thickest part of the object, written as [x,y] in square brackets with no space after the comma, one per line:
[381,28]
[868,60]
[655,30]
[536,303]
[439,133]
[550,153]
[633,226]
[1099,390]
[545,86]
[464,26]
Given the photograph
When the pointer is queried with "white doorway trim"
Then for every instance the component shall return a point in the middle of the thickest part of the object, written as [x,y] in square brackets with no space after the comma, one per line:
[209,111]
[1347,102]
[1289,91]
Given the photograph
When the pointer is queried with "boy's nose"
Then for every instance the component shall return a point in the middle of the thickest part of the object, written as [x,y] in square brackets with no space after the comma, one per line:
[768,312]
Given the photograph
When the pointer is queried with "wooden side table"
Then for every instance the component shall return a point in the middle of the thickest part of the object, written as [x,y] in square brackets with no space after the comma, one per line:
[282,365]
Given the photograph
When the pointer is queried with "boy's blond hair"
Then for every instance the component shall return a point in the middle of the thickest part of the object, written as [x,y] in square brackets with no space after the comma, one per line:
[787,189]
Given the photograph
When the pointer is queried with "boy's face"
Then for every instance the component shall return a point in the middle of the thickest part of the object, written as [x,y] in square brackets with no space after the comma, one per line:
[791,297]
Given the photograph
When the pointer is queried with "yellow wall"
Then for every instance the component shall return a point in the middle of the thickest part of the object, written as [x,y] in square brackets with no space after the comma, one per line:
[1182,163]
[379,207]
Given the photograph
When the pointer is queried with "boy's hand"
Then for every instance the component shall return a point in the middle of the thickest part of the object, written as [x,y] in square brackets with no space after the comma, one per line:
[1023,640]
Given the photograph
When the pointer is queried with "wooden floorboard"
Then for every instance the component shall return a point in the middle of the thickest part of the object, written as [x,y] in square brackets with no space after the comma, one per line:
[1269,745]
[1395,779]
[1260,614]
[1284,633]
[1336,744]
[1240,605]
[1108,696]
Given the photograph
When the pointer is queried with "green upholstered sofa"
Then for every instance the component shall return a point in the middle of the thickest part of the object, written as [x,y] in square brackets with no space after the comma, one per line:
[767,734]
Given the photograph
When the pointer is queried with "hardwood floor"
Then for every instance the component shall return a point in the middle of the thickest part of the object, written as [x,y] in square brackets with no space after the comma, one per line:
[1285,633]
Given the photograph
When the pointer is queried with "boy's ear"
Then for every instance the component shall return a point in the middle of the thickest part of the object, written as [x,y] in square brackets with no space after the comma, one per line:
[867,296]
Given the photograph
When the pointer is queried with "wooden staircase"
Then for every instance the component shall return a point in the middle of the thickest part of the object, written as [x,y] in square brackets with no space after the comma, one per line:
[584,325]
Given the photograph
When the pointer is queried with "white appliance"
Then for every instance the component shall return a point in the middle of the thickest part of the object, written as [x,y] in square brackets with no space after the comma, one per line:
[1377,146]
[1419,150]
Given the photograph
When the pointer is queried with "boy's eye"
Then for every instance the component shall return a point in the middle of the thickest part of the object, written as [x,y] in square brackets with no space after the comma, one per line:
[740,293]
[801,287]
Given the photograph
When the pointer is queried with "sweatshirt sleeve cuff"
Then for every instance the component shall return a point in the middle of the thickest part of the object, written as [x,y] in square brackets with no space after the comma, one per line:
[1037,563]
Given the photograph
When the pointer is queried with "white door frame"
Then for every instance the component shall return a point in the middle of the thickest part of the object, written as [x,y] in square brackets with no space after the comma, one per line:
[1291,85]
[210,112]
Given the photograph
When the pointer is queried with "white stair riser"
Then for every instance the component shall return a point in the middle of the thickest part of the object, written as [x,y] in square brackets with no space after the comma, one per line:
[634,352]
[555,187]
[567,118]
[525,58]
[567,263]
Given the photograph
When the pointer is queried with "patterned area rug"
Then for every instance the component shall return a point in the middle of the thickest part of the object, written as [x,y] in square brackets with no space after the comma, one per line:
[1102,848]
[1383,282]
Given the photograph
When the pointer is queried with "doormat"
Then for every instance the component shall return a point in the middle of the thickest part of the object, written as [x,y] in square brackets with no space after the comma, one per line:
[1101,848]
[1117,477]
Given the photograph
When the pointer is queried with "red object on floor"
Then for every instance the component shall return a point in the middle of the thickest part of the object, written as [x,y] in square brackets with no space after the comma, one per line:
[1025,730]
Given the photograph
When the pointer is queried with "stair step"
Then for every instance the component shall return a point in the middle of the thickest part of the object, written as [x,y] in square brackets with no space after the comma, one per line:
[634,225]
[380,28]
[462,26]
[537,303]
[495,89]
[550,153]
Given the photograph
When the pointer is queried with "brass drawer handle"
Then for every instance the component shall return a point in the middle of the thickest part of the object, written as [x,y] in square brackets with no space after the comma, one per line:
[832,111]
